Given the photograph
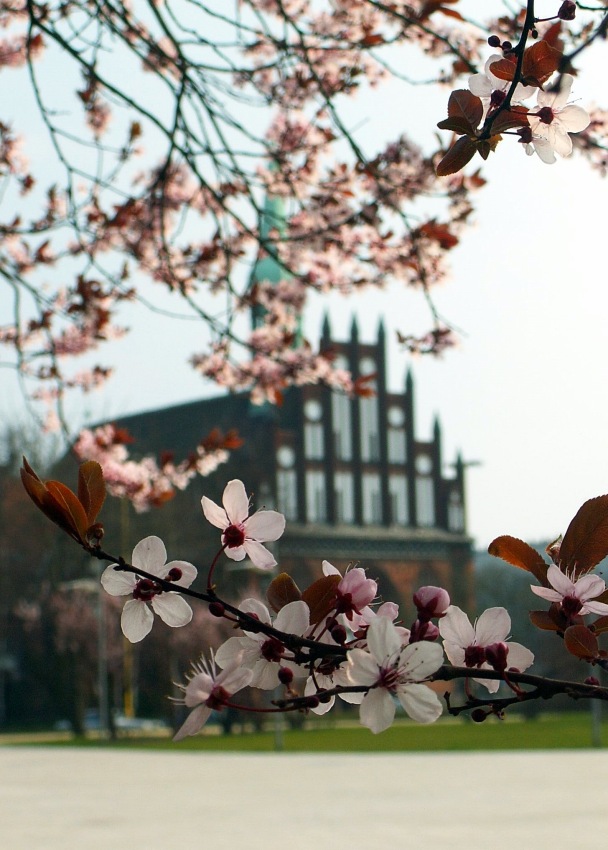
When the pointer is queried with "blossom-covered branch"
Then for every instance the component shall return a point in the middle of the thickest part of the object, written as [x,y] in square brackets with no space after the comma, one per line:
[333,639]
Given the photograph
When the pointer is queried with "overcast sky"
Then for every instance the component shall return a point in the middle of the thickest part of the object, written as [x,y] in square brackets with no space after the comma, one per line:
[525,393]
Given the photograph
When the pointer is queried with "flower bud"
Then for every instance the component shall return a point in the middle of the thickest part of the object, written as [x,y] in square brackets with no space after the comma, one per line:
[216,609]
[338,633]
[496,656]
[567,11]
[285,675]
[423,630]
[478,715]
[494,41]
[431,602]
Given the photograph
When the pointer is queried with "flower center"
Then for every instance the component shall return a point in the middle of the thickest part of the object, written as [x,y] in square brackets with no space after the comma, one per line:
[145,590]
[272,649]
[174,574]
[218,698]
[345,604]
[474,656]
[389,678]
[497,98]
[546,114]
[571,606]
[234,536]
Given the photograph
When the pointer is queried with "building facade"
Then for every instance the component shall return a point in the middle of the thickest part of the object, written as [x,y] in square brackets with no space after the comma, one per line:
[355,483]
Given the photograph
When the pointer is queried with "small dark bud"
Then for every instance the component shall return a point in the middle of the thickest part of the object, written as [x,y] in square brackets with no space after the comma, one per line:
[567,11]
[496,656]
[249,626]
[323,696]
[285,675]
[338,633]
[478,715]
[216,609]
[591,680]
[506,46]
[494,41]
[534,33]
[311,702]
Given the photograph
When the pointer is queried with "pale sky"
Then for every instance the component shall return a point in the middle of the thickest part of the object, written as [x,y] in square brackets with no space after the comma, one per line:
[524,394]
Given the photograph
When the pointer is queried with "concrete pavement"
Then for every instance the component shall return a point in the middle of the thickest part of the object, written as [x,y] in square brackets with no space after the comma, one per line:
[64,799]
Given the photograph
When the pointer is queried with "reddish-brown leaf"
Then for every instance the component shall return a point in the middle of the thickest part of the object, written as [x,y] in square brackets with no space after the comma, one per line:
[281,591]
[466,107]
[585,542]
[600,625]
[580,641]
[504,69]
[540,61]
[53,502]
[553,36]
[73,512]
[91,489]
[543,620]
[507,120]
[320,597]
[457,157]
[518,553]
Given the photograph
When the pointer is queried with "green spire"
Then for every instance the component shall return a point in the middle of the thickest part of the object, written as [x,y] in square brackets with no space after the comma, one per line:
[267,267]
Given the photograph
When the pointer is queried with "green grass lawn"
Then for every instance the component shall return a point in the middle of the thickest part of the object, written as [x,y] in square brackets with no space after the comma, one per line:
[564,731]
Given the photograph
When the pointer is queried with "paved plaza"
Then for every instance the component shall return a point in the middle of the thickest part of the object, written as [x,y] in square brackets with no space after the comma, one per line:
[63,799]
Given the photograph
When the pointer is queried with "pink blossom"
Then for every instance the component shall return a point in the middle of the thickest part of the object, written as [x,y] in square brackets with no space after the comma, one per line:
[261,654]
[390,669]
[465,645]
[554,120]
[150,556]
[243,535]
[354,592]
[575,597]
[207,690]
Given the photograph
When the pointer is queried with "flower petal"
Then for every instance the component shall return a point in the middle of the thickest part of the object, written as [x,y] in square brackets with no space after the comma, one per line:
[116,582]
[136,620]
[383,639]
[455,653]
[588,587]
[558,580]
[194,722]
[188,572]
[231,650]
[265,525]
[254,606]
[214,514]
[420,702]
[456,627]
[519,657]
[150,555]
[377,710]
[361,668]
[172,609]
[574,118]
[232,679]
[420,660]
[259,555]
[293,618]
[329,569]
[492,626]
[235,501]
[546,593]
[198,689]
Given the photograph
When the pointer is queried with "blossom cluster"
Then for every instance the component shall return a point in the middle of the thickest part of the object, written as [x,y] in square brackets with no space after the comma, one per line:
[335,639]
[362,653]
